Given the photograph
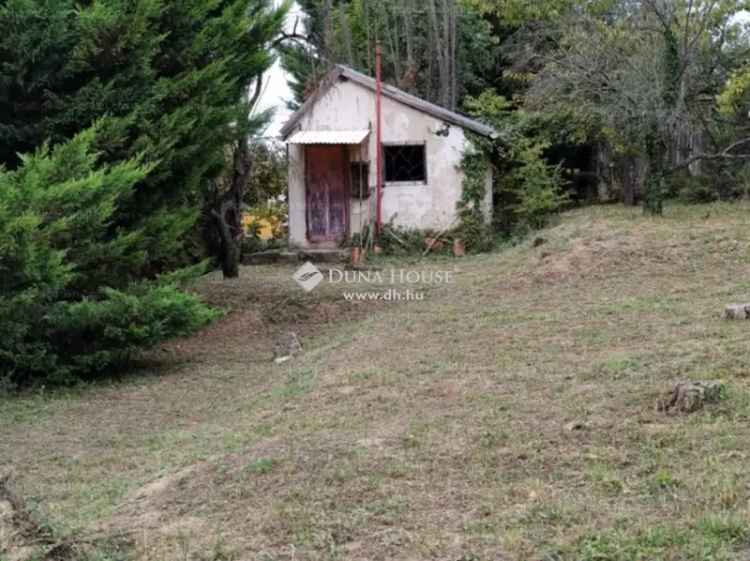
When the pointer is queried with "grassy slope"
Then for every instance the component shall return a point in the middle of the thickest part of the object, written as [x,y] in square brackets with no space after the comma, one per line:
[434,429]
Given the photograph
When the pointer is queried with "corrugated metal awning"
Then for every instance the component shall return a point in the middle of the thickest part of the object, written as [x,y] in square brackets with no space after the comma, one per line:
[328,137]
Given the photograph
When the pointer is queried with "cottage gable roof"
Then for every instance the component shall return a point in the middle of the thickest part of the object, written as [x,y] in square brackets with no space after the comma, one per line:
[340,72]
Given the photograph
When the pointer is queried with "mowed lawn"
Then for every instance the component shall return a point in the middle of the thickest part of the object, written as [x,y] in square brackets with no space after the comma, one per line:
[507,416]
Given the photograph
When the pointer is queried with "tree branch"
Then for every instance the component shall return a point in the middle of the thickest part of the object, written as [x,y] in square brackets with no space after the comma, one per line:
[725,154]
[293,36]
[258,91]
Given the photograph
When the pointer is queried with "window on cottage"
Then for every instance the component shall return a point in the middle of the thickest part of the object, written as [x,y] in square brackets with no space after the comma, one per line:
[360,175]
[405,162]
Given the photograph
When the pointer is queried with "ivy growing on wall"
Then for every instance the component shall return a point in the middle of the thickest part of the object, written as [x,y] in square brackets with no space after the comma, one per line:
[473,228]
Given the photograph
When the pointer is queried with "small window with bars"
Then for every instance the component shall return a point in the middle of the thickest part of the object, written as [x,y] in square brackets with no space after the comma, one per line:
[405,163]
[359,179]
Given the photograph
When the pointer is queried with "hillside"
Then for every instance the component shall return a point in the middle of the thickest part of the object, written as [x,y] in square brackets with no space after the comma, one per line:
[507,416]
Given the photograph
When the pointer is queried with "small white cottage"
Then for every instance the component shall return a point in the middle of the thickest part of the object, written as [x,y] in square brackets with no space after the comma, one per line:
[332,161]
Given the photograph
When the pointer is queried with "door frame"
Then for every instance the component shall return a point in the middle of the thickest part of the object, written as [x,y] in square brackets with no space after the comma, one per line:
[332,242]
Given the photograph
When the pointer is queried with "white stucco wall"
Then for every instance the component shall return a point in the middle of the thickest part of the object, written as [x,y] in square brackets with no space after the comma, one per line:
[431,205]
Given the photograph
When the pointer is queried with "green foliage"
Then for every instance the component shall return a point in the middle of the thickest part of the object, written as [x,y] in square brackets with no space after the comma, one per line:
[265,226]
[262,466]
[663,479]
[345,32]
[471,207]
[692,189]
[170,76]
[305,70]
[268,176]
[36,39]
[395,240]
[713,537]
[642,76]
[528,190]
[93,228]
[672,67]
[404,242]
[538,184]
[521,12]
[736,93]
[656,184]
[70,300]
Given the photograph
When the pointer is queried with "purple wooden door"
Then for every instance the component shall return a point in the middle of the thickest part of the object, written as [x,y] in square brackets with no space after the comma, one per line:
[327,193]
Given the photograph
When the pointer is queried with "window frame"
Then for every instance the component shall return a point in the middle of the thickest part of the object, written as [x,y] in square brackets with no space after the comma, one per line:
[423,145]
[364,175]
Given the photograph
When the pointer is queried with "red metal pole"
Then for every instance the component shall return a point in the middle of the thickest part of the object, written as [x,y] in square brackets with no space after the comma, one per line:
[378,138]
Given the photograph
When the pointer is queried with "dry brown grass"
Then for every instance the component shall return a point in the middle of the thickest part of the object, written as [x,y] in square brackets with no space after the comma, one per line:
[429,430]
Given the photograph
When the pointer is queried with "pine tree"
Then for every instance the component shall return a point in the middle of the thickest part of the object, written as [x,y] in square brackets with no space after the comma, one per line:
[67,306]
[94,222]
[172,77]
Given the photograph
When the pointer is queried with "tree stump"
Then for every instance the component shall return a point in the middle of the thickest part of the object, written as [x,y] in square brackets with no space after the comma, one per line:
[286,347]
[688,397]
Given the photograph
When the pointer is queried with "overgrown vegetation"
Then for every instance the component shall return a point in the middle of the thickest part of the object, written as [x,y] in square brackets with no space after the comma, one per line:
[475,228]
[394,240]
[265,226]
[268,176]
[528,189]
[641,79]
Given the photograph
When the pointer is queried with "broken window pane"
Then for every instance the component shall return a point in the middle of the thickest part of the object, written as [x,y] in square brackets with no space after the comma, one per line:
[405,163]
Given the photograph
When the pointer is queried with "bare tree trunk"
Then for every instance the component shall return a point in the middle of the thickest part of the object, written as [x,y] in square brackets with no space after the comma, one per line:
[445,50]
[231,251]
[629,180]
[431,42]
[346,32]
[440,54]
[408,20]
[228,217]
[368,26]
[445,71]
[328,38]
[621,177]
[391,32]
[454,57]
[408,80]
